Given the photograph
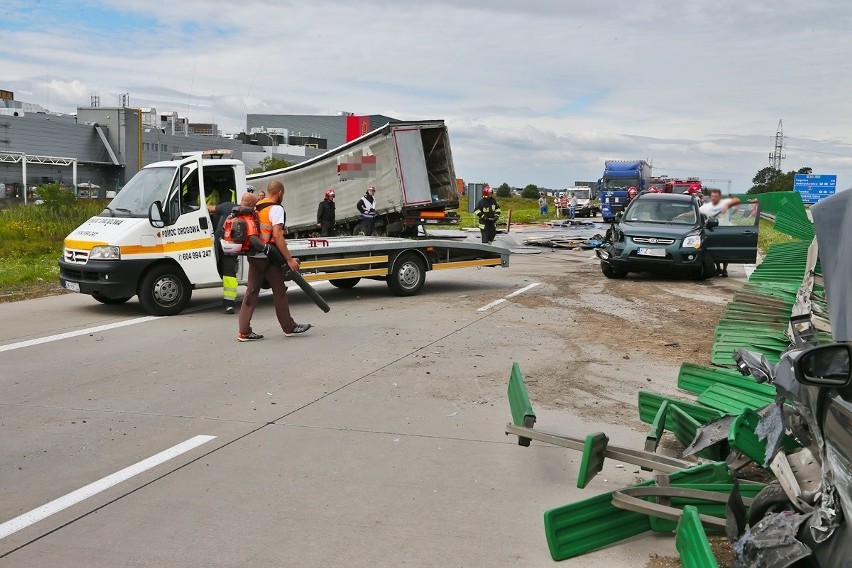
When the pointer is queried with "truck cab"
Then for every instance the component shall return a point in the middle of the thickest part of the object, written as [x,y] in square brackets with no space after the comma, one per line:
[155,238]
[618,177]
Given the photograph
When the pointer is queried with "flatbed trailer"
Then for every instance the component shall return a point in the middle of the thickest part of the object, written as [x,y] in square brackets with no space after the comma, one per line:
[402,263]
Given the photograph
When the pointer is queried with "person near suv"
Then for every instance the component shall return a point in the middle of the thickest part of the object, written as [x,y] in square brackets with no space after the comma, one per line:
[712,209]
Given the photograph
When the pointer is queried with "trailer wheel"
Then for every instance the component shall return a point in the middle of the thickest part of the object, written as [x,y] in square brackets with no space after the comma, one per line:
[408,275]
[344,283]
[110,301]
[164,291]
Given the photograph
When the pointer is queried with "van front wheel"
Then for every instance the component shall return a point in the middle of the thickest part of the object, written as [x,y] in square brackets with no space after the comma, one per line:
[164,291]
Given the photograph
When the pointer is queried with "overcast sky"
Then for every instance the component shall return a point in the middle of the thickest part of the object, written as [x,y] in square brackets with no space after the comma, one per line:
[533,91]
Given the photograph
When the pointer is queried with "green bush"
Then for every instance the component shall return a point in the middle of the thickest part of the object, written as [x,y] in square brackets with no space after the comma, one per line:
[530,192]
[56,199]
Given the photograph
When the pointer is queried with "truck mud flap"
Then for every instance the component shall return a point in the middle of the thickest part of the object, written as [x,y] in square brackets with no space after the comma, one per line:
[698,378]
[649,405]
[691,541]
[519,403]
[735,400]
[590,524]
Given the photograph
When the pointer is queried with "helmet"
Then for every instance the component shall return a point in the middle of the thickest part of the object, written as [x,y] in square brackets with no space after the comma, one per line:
[371,188]
[487,191]
[632,191]
[329,193]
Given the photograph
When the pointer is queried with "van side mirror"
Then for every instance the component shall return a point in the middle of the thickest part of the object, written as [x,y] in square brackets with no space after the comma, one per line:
[618,217]
[825,366]
[712,222]
[155,215]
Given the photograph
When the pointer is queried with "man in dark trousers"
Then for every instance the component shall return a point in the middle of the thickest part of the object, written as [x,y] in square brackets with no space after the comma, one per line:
[487,211]
[228,262]
[367,208]
[271,219]
[325,214]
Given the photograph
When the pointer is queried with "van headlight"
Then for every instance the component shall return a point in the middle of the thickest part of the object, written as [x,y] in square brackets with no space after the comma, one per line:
[105,252]
[692,241]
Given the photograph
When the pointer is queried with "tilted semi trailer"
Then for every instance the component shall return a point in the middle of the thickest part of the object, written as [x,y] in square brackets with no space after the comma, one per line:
[409,163]
[155,240]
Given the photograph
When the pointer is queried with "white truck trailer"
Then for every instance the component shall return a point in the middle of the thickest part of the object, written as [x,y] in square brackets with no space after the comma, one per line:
[155,241]
[409,163]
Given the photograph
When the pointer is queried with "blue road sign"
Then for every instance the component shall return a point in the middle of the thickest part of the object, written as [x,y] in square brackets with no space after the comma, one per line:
[814,187]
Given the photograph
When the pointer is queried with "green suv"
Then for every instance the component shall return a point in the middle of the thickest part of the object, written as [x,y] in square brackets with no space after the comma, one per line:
[665,233]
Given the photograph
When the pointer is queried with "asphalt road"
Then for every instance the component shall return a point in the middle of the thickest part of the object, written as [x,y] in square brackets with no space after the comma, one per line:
[374,440]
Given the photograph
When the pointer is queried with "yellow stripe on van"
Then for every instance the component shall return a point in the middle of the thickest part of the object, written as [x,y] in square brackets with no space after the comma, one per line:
[83,245]
[167,247]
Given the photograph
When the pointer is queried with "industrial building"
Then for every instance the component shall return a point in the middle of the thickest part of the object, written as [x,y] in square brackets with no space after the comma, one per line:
[96,151]
[100,148]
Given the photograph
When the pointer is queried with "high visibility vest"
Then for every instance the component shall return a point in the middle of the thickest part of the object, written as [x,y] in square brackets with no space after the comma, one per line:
[264,227]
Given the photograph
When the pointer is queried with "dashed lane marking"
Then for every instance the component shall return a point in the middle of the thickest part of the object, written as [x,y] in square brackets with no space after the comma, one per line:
[490,305]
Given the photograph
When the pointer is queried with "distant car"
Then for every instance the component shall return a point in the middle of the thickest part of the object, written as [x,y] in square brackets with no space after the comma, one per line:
[665,233]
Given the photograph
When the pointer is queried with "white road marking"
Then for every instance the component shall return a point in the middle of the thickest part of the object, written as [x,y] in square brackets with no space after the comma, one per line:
[76,333]
[524,289]
[504,298]
[41,513]
[491,305]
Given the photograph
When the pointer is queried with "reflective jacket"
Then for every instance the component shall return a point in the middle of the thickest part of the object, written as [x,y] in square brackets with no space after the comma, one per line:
[264,227]
[487,210]
[367,206]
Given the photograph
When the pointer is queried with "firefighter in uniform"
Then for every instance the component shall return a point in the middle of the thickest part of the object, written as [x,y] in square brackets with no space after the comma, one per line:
[227,262]
[487,211]
[326,214]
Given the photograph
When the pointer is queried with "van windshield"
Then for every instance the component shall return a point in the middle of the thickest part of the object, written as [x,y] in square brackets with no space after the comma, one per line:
[659,211]
[579,193]
[146,187]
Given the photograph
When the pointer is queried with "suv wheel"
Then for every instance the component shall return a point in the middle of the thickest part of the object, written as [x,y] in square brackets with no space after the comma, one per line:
[611,272]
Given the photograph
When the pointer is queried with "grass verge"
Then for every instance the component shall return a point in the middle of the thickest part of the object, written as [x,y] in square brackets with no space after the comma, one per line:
[768,236]
[31,240]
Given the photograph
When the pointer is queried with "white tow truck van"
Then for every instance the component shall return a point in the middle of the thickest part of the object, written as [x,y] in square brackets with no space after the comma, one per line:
[155,240]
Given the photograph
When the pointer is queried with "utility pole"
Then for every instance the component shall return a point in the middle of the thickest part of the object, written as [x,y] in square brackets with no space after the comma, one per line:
[779,152]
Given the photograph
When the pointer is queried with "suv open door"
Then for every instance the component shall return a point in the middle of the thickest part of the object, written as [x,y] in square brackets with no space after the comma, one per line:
[734,239]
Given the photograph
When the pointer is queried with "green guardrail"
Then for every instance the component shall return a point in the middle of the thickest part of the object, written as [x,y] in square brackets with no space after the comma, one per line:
[691,541]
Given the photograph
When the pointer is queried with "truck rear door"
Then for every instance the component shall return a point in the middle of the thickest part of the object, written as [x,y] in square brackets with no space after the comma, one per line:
[411,161]
[735,238]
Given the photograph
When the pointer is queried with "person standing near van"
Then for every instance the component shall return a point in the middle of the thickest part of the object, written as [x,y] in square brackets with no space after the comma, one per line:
[572,205]
[228,262]
[367,207]
[271,219]
[326,213]
[542,205]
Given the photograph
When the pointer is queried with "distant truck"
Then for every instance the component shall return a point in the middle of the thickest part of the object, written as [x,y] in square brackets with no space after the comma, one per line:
[617,178]
[409,163]
[689,186]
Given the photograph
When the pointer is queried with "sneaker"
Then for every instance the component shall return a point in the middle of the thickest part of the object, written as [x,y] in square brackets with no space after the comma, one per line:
[299,328]
[724,273]
[229,310]
[249,336]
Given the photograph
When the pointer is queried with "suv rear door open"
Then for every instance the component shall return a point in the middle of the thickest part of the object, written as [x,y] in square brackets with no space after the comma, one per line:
[735,238]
